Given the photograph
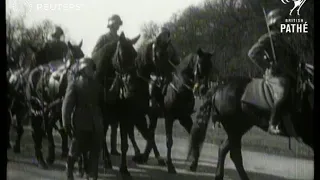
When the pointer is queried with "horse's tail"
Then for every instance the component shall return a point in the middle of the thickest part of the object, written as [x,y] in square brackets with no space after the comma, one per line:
[199,130]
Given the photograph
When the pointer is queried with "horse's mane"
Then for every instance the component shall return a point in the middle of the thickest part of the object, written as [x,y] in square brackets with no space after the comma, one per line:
[102,58]
[187,63]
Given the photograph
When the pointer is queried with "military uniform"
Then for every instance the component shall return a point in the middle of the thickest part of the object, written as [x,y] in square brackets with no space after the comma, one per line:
[56,49]
[82,117]
[282,71]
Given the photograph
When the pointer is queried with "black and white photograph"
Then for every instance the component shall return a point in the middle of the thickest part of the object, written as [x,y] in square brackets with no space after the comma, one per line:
[160,90]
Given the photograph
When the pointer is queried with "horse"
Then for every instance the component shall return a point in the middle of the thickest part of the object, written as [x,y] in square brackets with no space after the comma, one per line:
[154,57]
[223,104]
[18,104]
[179,100]
[114,67]
[45,91]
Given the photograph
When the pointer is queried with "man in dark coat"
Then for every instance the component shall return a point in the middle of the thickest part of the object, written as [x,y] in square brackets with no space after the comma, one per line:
[282,71]
[114,24]
[56,48]
[82,117]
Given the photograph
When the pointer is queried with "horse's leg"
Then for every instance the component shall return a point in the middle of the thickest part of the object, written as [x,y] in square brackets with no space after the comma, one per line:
[113,138]
[81,165]
[233,144]
[105,153]
[19,129]
[223,151]
[143,129]
[51,146]
[37,134]
[187,122]
[236,156]
[64,140]
[169,125]
[152,128]
[124,147]
[133,141]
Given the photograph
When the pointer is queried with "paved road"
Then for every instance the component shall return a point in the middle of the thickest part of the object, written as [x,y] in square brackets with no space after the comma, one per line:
[260,166]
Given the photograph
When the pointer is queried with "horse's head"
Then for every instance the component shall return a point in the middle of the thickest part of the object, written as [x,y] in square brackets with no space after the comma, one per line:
[125,54]
[74,52]
[203,67]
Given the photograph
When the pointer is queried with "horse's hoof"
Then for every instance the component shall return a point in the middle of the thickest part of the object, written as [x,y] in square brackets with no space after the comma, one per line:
[42,164]
[50,160]
[193,167]
[115,153]
[218,178]
[172,169]
[80,173]
[107,165]
[16,149]
[139,159]
[161,162]
[124,172]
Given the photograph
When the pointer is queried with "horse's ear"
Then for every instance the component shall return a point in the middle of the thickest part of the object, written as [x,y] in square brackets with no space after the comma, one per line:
[134,40]
[80,44]
[122,36]
[70,45]
[200,52]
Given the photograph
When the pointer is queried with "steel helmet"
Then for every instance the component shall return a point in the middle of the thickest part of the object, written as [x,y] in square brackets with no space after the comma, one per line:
[274,17]
[58,32]
[114,20]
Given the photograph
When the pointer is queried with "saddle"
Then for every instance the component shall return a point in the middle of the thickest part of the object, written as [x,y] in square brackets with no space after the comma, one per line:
[265,93]
[58,69]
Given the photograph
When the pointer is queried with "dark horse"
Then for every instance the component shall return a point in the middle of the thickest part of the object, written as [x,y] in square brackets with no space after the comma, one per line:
[18,79]
[115,70]
[45,97]
[179,100]
[223,103]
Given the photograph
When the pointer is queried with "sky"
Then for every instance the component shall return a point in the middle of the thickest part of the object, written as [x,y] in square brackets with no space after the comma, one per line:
[87,20]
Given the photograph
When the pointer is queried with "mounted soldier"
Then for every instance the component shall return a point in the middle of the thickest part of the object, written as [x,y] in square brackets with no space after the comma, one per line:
[85,125]
[56,47]
[282,61]
[166,59]
[114,23]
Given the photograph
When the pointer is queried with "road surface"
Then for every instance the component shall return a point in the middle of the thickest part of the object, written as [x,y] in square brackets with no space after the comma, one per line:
[260,166]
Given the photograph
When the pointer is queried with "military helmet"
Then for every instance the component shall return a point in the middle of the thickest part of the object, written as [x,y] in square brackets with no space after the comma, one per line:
[58,32]
[274,17]
[114,20]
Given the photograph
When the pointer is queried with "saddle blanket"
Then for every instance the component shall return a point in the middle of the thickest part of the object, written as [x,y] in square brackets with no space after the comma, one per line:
[265,93]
